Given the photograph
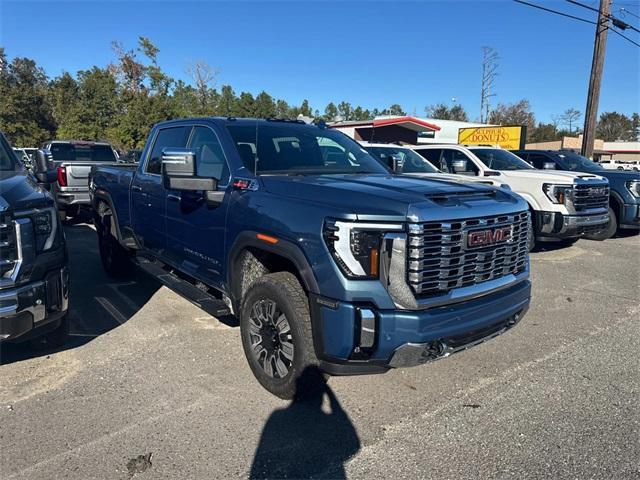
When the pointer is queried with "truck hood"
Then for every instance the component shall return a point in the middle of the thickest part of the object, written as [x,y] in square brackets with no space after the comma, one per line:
[450,177]
[19,191]
[393,195]
[619,175]
[550,176]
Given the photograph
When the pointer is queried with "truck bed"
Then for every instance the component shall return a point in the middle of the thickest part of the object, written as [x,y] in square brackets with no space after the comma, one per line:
[115,181]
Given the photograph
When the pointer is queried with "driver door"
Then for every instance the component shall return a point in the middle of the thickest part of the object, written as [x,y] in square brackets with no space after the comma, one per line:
[196,228]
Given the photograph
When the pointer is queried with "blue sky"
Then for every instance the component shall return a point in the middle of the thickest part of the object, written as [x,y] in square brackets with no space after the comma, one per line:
[370,53]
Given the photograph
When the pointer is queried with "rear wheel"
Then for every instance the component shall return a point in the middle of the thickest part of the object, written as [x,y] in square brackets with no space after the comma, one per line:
[609,231]
[275,326]
[116,260]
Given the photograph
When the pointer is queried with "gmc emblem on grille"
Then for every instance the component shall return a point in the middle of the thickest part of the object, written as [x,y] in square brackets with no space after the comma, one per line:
[599,190]
[483,238]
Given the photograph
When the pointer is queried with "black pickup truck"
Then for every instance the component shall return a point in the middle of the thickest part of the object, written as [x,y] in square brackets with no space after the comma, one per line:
[34,278]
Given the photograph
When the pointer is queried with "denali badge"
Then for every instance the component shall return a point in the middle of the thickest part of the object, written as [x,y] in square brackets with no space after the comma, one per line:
[492,236]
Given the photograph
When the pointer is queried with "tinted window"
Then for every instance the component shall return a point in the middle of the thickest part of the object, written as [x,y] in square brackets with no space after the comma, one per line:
[538,160]
[433,156]
[167,137]
[410,161]
[69,152]
[210,160]
[577,163]
[498,159]
[300,149]
[457,162]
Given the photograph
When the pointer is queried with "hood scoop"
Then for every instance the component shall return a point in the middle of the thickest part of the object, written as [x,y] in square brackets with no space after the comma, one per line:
[452,199]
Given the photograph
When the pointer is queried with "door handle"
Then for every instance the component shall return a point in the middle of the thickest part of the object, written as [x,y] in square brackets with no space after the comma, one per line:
[174,197]
[136,188]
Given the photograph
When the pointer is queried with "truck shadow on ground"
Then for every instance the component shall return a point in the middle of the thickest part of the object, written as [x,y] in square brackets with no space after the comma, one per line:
[97,303]
[303,441]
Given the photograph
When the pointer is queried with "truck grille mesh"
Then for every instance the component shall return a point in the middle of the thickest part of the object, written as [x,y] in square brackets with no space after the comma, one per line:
[439,260]
[8,246]
[587,197]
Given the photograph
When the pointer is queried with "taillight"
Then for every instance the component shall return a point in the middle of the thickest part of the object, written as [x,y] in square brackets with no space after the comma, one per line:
[62,176]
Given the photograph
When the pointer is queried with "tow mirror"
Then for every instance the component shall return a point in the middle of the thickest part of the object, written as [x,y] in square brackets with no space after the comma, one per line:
[548,166]
[179,171]
[42,167]
[459,165]
[395,163]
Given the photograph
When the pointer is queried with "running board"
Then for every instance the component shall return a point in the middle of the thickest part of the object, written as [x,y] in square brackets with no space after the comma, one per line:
[207,302]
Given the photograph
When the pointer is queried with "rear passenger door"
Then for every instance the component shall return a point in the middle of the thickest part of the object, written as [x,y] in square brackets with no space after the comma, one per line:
[147,191]
[195,229]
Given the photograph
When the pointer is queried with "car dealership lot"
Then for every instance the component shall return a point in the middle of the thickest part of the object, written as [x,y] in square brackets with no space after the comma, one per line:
[152,386]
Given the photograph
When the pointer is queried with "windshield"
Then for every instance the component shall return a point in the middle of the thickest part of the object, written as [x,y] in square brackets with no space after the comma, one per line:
[577,163]
[300,149]
[410,161]
[69,152]
[498,159]
[7,157]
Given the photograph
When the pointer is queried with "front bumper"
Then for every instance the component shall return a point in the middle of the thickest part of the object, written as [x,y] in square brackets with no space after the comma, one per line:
[403,338]
[630,217]
[557,226]
[30,307]
[68,199]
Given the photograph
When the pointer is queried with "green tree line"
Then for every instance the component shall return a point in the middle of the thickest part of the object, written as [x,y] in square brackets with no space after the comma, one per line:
[120,103]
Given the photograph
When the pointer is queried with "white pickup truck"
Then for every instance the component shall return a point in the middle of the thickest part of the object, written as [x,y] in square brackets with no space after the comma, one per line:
[404,160]
[564,205]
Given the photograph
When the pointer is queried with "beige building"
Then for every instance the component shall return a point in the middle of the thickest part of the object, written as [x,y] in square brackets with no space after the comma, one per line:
[624,151]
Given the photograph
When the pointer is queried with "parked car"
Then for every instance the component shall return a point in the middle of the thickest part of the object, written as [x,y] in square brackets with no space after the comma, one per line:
[624,199]
[403,160]
[34,278]
[326,259]
[564,206]
[73,159]
[617,165]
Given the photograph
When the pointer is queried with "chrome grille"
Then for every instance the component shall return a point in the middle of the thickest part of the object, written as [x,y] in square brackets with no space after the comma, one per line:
[8,245]
[587,197]
[439,260]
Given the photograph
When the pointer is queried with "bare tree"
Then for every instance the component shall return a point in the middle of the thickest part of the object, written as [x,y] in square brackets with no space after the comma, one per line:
[489,72]
[205,78]
[570,117]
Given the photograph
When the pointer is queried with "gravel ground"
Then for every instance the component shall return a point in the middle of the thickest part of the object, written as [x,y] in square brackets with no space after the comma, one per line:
[152,387]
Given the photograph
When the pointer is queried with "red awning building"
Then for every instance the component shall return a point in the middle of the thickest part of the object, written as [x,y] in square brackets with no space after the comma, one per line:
[386,130]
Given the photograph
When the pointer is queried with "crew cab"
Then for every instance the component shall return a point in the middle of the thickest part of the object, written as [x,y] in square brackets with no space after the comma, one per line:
[73,159]
[624,199]
[329,261]
[565,206]
[403,160]
[34,278]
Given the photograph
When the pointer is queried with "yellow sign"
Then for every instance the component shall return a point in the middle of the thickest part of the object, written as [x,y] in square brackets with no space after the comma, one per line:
[510,138]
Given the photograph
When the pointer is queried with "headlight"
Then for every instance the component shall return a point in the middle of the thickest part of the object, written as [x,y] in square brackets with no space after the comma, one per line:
[557,193]
[45,227]
[634,188]
[355,246]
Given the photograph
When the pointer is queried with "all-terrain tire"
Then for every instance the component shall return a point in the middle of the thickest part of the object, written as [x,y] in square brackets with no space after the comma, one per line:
[116,260]
[609,231]
[280,295]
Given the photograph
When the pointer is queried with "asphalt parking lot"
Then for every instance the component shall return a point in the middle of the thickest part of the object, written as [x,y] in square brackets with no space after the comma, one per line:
[152,387]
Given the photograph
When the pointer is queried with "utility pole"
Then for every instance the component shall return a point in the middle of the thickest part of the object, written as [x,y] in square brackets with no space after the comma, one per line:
[597,65]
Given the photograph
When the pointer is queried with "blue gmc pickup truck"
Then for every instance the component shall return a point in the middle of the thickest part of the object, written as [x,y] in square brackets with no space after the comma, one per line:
[328,260]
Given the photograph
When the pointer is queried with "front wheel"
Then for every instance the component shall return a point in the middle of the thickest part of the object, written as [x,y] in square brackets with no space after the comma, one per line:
[275,326]
[609,231]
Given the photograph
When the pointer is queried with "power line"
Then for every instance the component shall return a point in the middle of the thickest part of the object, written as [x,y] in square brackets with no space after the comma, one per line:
[625,11]
[624,36]
[616,21]
[555,11]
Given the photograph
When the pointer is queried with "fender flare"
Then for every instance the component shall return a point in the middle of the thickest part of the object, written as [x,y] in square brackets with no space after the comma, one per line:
[103,196]
[617,202]
[283,248]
